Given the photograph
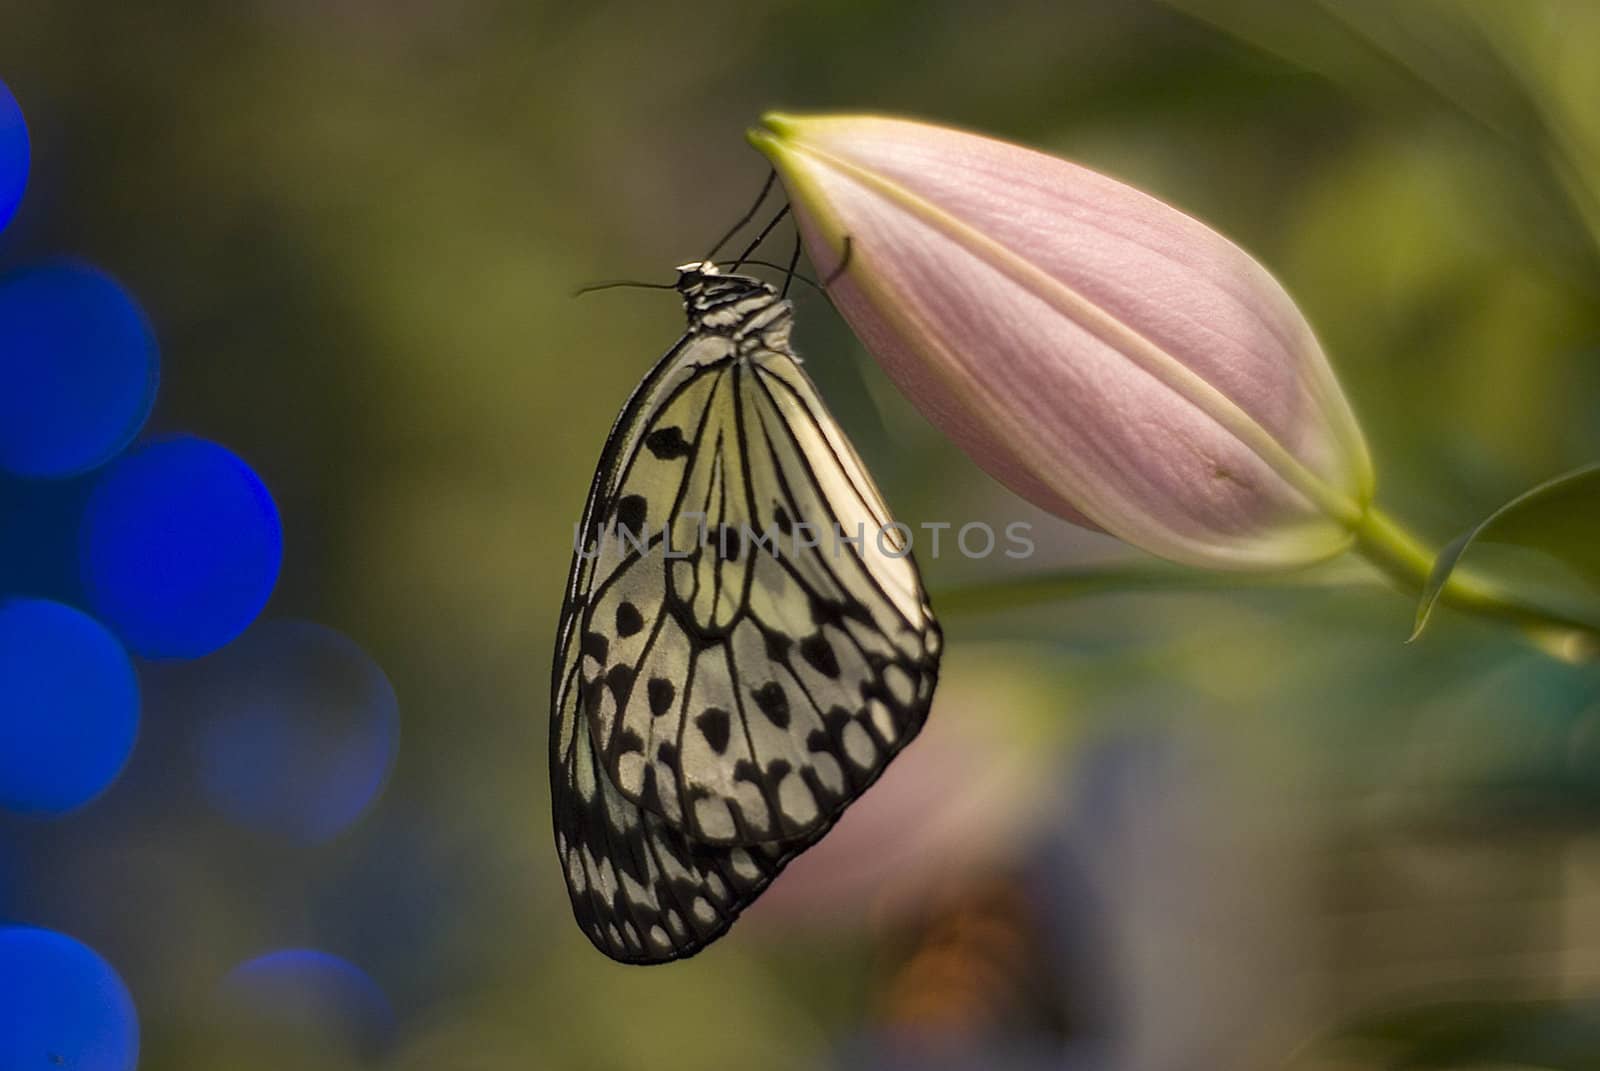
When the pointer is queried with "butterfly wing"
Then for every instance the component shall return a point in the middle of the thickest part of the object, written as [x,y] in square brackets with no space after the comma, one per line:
[641,890]
[716,704]
[758,664]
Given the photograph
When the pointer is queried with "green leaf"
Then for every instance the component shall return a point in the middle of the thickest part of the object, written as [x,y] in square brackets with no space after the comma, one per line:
[1560,517]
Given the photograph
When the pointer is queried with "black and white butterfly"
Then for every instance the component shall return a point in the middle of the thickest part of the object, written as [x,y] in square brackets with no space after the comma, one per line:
[745,642]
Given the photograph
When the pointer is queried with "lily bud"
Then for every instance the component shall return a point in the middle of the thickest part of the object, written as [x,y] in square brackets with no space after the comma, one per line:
[1107,357]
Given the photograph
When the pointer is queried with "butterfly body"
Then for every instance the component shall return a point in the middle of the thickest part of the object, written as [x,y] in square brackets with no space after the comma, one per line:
[745,642]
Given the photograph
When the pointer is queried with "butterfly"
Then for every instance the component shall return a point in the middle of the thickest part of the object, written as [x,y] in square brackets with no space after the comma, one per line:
[745,641]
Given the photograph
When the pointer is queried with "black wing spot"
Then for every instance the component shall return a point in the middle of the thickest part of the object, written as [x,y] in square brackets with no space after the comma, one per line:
[774,703]
[729,543]
[778,646]
[824,612]
[620,680]
[667,752]
[819,653]
[716,725]
[836,719]
[668,443]
[596,646]
[632,513]
[780,516]
[629,620]
[661,692]
[650,796]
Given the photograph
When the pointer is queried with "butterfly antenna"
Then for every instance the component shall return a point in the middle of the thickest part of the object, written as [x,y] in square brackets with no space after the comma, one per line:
[794,259]
[766,188]
[788,271]
[768,229]
[613,284]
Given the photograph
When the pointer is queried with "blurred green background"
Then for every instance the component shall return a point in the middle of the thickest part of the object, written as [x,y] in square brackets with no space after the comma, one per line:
[1152,831]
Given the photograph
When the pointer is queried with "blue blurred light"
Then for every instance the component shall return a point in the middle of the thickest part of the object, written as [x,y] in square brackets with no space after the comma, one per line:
[299,730]
[307,995]
[78,369]
[62,1006]
[181,548]
[13,155]
[69,707]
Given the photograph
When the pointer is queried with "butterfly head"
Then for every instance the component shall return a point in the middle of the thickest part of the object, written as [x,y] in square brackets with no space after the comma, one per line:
[695,273]
[721,302]
[703,278]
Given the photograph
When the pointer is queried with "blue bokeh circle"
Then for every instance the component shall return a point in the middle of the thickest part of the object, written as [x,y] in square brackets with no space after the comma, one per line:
[69,707]
[62,1006]
[303,994]
[297,730]
[181,546]
[78,369]
[13,155]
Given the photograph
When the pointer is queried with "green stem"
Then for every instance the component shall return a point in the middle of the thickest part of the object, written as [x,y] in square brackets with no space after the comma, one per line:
[1085,582]
[1402,558]
[1398,555]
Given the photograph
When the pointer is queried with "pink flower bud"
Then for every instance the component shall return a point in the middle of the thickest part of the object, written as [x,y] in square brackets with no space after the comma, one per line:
[1099,352]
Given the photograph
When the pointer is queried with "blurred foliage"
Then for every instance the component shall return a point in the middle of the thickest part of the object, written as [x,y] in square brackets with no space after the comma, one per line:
[356,226]
[1559,1035]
